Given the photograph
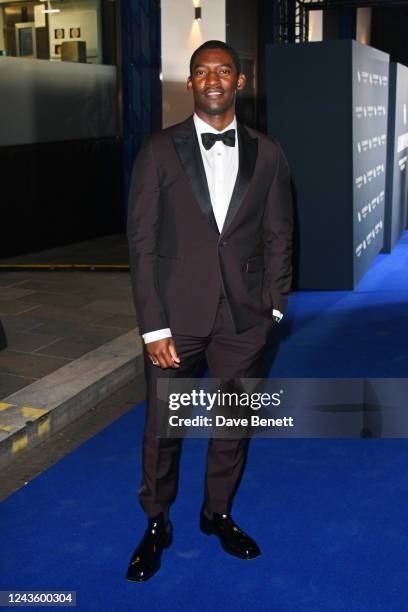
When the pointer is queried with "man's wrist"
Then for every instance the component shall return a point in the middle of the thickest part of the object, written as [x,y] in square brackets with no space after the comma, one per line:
[158,334]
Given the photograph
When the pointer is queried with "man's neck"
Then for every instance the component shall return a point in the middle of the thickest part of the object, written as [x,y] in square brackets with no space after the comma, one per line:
[218,122]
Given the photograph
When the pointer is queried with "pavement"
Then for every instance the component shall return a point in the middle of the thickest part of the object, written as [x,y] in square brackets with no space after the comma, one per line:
[72,339]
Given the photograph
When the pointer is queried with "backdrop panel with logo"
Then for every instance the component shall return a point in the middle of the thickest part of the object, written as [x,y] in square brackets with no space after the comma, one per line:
[395,216]
[327,105]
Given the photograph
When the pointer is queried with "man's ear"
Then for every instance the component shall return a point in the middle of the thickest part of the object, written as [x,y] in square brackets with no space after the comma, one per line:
[189,84]
[241,81]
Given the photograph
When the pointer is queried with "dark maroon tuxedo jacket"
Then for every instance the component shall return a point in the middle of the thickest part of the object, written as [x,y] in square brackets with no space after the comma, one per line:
[180,261]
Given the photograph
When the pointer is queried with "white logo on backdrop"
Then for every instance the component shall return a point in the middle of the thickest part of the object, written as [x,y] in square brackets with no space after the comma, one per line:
[371,143]
[369,239]
[402,142]
[370,111]
[370,175]
[371,206]
[402,163]
[363,76]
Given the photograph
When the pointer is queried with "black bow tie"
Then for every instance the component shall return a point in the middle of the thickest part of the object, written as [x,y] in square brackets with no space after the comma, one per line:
[228,138]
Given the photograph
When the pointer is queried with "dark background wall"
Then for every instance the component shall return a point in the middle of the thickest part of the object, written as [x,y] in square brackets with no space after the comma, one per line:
[389,32]
[59,193]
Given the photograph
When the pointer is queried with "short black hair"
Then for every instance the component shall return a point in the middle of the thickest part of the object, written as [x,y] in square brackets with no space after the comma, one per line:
[216,44]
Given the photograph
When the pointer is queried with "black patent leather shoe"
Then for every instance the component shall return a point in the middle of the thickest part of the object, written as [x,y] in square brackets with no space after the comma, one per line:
[146,559]
[233,540]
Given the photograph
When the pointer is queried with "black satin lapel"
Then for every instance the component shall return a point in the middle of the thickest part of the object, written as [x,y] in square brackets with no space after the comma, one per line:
[188,150]
[248,152]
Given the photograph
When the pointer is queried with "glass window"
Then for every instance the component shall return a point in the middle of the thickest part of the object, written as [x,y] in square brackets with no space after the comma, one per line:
[57,30]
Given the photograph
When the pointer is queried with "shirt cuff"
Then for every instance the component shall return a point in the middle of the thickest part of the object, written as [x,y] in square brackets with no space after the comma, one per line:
[158,334]
[277,313]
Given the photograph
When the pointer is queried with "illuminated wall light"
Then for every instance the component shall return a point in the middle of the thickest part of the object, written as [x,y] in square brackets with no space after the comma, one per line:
[197,13]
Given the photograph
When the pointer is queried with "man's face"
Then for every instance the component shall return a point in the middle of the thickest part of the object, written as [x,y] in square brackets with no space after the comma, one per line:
[214,81]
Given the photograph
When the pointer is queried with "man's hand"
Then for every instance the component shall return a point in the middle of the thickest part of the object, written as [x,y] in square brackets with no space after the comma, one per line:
[163,353]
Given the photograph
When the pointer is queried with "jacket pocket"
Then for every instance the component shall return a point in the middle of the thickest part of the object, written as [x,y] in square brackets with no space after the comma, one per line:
[254,264]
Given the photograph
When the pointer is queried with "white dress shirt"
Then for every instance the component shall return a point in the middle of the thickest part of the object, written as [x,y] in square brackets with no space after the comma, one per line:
[221,169]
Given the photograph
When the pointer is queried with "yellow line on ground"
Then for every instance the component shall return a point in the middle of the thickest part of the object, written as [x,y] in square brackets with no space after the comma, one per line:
[29,411]
[19,443]
[5,406]
[43,427]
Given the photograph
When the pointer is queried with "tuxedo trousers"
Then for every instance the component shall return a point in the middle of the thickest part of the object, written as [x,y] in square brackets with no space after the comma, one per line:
[228,355]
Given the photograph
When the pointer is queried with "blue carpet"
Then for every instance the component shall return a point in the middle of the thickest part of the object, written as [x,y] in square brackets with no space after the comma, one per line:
[329,515]
[345,334]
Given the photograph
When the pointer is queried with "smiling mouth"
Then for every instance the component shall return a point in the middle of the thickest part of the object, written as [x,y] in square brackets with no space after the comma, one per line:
[214,94]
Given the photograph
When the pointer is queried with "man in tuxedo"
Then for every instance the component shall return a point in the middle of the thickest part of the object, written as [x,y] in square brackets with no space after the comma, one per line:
[210,238]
